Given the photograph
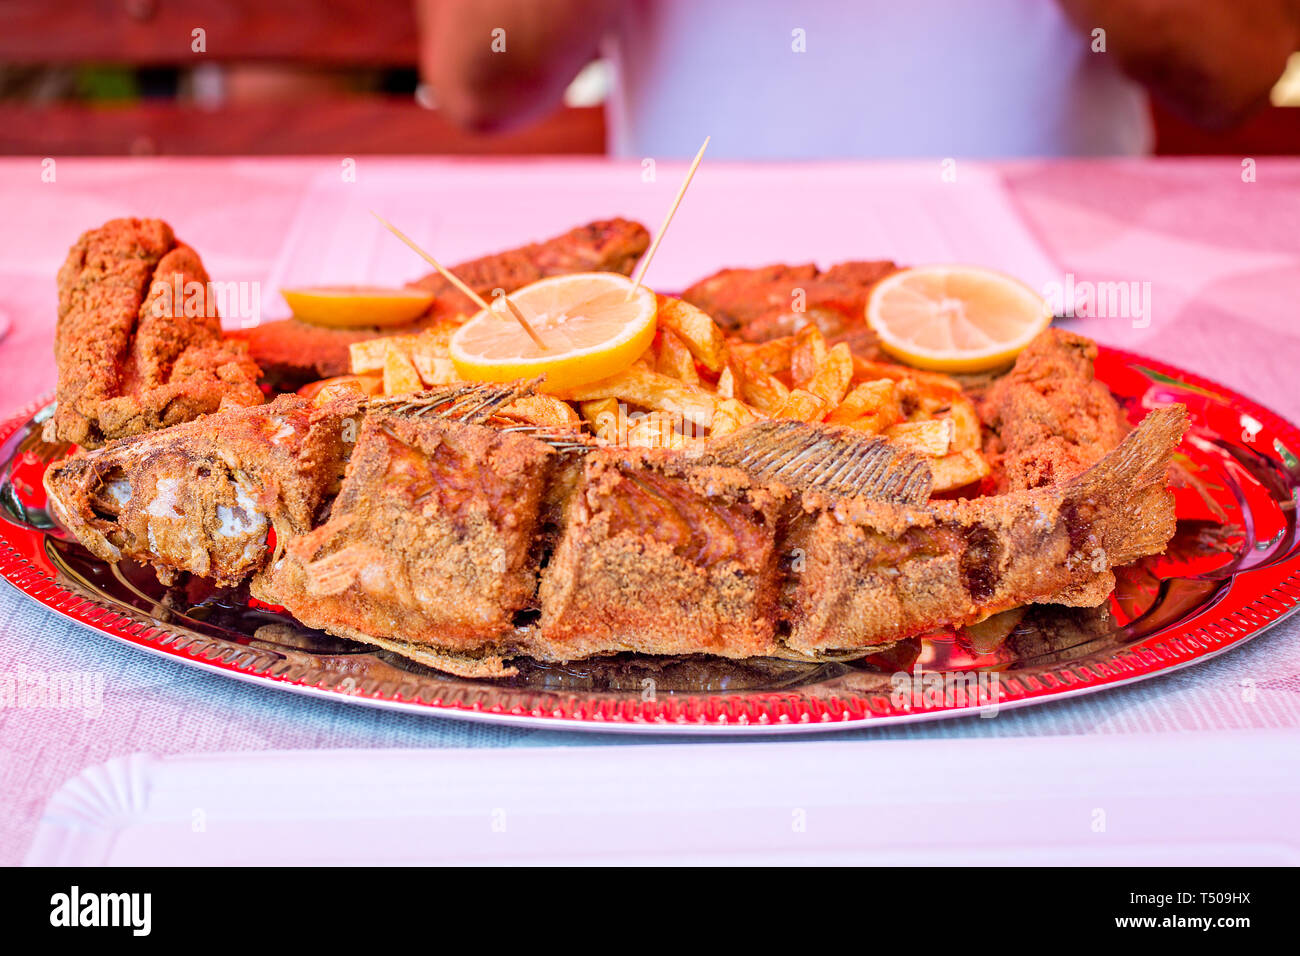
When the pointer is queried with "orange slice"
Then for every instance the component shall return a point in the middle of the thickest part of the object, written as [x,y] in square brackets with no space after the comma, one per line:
[955,318]
[344,307]
[590,327]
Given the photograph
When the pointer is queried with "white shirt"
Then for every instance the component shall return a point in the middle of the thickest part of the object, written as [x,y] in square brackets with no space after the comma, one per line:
[945,78]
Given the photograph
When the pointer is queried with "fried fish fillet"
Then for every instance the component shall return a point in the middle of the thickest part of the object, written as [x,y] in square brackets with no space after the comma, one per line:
[430,541]
[890,571]
[660,555]
[774,301]
[1048,419]
[291,352]
[201,497]
[138,340]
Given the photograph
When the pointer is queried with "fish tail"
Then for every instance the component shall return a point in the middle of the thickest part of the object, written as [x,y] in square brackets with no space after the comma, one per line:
[1125,497]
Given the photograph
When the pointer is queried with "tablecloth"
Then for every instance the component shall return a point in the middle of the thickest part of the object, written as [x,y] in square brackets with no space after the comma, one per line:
[1216,239]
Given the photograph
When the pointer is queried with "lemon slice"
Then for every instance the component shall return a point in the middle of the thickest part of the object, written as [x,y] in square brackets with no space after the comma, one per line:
[955,318]
[344,307]
[591,329]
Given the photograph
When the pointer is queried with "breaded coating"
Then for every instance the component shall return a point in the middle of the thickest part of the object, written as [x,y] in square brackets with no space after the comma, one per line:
[610,245]
[660,556]
[1049,419]
[876,572]
[201,497]
[136,348]
[291,352]
[429,543]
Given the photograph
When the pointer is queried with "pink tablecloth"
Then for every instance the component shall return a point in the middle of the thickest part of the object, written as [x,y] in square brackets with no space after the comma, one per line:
[1220,253]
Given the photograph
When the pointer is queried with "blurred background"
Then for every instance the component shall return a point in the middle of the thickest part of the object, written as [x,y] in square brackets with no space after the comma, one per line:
[183,77]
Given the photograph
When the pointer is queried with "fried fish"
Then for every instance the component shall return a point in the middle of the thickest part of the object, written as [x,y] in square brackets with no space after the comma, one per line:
[429,544]
[772,301]
[462,538]
[887,571]
[1049,418]
[668,552]
[202,497]
[292,352]
[138,341]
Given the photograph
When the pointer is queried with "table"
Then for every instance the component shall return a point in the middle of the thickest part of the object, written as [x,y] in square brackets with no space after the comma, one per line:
[1220,252]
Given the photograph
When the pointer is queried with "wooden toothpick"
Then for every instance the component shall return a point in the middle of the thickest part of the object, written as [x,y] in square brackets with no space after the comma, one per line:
[654,246]
[455,280]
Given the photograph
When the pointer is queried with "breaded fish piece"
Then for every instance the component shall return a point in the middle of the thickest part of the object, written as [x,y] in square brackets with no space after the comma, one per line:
[663,556]
[654,551]
[201,497]
[876,571]
[1049,419]
[774,301]
[674,552]
[429,546]
[291,352]
[138,343]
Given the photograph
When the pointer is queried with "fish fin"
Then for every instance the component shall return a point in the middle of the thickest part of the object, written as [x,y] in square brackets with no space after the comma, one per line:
[466,402]
[837,461]
[1127,491]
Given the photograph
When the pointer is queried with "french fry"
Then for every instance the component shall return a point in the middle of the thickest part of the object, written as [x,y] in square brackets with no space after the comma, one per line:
[369,355]
[801,405]
[831,381]
[726,387]
[400,376]
[603,415]
[761,389]
[675,358]
[931,439]
[870,407]
[431,355]
[657,430]
[542,410]
[807,355]
[866,369]
[638,386]
[434,369]
[697,330]
[772,356]
[957,469]
[732,415]
[966,425]
[986,636]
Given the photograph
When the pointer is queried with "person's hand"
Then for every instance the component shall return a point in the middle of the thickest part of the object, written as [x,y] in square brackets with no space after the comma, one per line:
[497,64]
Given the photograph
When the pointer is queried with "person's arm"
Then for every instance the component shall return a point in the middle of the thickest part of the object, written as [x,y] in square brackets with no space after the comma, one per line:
[546,43]
[1212,60]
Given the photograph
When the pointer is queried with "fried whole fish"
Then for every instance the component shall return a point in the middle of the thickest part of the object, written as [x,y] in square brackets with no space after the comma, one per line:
[292,352]
[138,341]
[672,552]
[202,497]
[462,540]
[444,527]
